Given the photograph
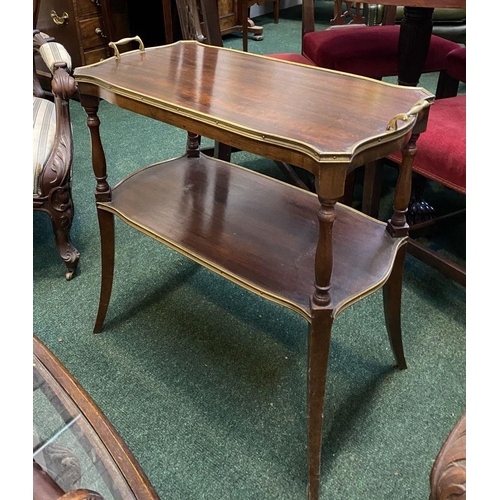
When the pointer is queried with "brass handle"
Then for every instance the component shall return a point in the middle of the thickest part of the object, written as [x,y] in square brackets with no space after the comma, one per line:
[96,2]
[123,41]
[59,20]
[415,110]
[98,31]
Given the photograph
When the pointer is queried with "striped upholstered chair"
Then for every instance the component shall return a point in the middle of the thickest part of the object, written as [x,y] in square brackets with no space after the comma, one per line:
[53,146]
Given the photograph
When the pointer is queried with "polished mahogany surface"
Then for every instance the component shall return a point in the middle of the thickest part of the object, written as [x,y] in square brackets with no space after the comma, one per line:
[324,115]
[256,231]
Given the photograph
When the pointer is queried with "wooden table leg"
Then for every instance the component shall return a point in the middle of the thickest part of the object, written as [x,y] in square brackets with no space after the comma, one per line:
[317,368]
[106,219]
[243,6]
[319,343]
[392,291]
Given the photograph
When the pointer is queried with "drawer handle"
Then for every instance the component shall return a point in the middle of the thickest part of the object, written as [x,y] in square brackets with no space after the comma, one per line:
[97,2]
[123,41]
[98,31]
[59,20]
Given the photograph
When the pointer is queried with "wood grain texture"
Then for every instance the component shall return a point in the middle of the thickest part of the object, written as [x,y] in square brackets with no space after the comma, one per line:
[319,116]
[254,230]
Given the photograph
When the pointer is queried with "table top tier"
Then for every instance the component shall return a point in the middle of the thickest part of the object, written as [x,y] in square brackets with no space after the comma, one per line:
[320,115]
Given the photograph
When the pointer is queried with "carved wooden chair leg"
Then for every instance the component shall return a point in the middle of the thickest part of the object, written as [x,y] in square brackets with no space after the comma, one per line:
[392,292]
[61,217]
[107,230]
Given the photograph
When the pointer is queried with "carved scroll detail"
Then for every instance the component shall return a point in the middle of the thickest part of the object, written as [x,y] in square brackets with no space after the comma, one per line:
[448,476]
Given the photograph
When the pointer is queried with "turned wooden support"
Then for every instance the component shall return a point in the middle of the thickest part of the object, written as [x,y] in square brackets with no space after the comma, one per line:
[193,145]
[91,106]
[397,224]
[324,253]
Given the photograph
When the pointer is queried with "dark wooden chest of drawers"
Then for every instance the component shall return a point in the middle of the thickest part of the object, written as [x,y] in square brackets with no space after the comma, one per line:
[84,27]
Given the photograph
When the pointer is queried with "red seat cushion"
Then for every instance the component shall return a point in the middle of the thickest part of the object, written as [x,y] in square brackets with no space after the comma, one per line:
[441,148]
[298,58]
[455,64]
[370,51]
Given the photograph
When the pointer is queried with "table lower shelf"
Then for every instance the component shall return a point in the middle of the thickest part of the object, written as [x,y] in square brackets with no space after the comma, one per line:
[256,231]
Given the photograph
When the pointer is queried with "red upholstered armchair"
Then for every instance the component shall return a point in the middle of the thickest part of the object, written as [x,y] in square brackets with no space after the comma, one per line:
[351,46]
[440,157]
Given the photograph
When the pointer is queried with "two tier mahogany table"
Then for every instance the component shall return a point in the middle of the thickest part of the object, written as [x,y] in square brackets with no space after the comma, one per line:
[302,250]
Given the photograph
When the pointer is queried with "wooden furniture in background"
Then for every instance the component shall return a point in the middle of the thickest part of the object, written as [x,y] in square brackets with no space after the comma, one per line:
[231,14]
[449,23]
[68,426]
[351,46]
[304,251]
[440,157]
[84,27]
[53,145]
[416,31]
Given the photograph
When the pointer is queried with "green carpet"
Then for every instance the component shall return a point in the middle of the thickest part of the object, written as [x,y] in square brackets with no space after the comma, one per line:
[206,382]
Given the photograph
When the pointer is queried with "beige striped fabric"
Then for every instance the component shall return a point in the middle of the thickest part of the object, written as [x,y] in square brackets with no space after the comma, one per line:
[53,52]
[44,131]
